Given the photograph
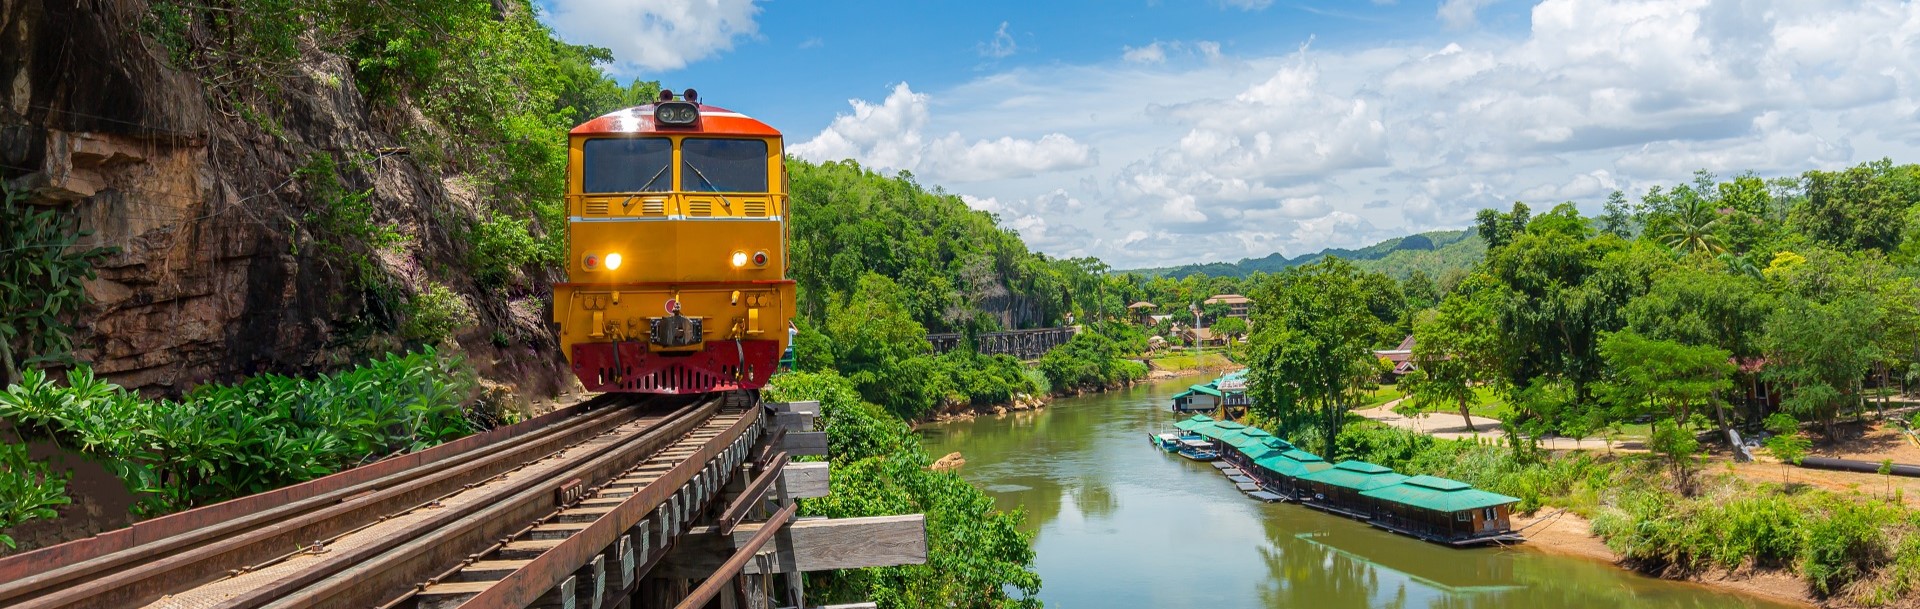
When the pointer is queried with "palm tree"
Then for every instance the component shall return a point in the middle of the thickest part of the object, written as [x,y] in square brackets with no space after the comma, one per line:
[1691,230]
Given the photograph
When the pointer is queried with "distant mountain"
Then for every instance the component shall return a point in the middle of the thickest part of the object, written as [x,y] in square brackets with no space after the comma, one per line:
[1433,252]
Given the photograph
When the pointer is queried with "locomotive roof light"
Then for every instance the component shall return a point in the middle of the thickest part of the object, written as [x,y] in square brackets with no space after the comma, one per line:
[613,261]
[676,113]
[739,259]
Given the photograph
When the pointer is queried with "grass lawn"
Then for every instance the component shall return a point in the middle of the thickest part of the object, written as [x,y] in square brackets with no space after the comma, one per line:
[1486,403]
[1386,393]
[1189,361]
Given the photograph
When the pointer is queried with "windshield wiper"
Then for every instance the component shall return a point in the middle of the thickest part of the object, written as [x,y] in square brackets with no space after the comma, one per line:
[715,187]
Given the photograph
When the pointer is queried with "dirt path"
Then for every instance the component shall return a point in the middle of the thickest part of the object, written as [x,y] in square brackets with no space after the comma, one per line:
[1448,425]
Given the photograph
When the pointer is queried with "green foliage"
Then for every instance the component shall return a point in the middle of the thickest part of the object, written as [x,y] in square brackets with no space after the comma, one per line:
[1310,348]
[956,270]
[502,246]
[29,490]
[1786,444]
[345,219]
[224,441]
[976,556]
[43,267]
[1090,361]
[434,315]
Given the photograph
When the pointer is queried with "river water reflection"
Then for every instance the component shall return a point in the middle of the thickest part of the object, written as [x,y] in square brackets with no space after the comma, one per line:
[1122,524]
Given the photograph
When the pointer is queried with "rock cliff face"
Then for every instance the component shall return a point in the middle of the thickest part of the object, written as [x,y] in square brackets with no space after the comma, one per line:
[217,274]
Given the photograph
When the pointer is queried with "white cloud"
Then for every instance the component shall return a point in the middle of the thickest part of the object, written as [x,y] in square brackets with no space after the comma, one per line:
[1223,160]
[889,136]
[1002,44]
[1152,53]
[1461,13]
[655,35]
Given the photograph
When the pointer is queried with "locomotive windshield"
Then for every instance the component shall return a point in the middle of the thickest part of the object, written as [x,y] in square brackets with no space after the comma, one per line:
[719,165]
[628,165]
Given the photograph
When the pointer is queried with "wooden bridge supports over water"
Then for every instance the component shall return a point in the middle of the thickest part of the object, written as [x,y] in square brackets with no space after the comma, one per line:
[1023,344]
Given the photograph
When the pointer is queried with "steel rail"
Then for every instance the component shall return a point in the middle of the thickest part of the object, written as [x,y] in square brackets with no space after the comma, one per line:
[725,574]
[527,584]
[368,575]
[755,492]
[146,571]
[371,573]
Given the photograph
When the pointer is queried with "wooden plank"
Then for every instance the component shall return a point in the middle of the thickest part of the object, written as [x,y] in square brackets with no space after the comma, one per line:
[807,407]
[804,443]
[806,480]
[808,545]
[794,421]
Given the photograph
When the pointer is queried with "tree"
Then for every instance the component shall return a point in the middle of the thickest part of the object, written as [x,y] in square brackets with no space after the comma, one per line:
[1457,347]
[1673,442]
[1660,376]
[1786,444]
[1618,219]
[1819,351]
[1229,327]
[1499,229]
[1311,332]
[1691,229]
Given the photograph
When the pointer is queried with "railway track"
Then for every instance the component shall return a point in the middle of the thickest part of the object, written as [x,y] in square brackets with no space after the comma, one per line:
[562,508]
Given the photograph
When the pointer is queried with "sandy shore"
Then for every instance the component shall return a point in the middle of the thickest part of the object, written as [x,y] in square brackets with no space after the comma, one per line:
[1565,533]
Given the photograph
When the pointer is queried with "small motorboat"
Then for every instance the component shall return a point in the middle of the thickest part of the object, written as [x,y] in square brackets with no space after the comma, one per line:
[1169,441]
[1198,450]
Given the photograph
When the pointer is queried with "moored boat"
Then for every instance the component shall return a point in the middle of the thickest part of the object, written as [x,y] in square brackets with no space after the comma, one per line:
[1198,450]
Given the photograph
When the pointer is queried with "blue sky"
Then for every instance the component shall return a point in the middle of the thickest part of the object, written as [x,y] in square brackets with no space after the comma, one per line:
[1151,133]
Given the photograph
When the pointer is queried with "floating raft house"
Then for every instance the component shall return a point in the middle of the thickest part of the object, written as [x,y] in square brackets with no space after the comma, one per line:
[1269,468]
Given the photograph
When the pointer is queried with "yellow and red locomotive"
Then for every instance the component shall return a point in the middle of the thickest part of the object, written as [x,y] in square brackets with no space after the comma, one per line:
[677,244]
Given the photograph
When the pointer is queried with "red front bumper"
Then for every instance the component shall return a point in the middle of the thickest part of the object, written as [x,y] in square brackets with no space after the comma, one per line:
[720,366]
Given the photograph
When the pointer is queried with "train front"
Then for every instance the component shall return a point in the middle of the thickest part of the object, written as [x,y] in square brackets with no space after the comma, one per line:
[677,272]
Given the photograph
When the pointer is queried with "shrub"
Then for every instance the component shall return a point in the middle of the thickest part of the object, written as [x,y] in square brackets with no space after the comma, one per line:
[434,315]
[1845,543]
[976,554]
[501,247]
[29,490]
[225,441]
[1089,361]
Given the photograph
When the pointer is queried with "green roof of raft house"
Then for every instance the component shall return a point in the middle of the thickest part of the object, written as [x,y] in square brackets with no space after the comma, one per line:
[1358,476]
[1444,511]
[1429,507]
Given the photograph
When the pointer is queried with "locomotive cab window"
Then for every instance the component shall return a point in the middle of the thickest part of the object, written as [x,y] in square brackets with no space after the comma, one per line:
[626,165]
[723,165]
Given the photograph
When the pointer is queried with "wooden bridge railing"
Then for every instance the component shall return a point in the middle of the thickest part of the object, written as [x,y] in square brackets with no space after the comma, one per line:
[1024,344]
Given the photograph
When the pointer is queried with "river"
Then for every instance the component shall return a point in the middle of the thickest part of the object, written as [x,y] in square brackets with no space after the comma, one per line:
[1118,523]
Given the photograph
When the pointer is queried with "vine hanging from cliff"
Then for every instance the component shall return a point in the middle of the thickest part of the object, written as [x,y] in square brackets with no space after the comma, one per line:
[42,270]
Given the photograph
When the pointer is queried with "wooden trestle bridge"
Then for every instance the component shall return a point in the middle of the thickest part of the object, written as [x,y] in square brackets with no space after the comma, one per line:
[622,501]
[1024,344]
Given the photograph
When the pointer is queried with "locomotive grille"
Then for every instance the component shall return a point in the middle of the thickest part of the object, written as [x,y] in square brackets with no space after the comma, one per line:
[653,208]
[757,209]
[596,208]
[700,208]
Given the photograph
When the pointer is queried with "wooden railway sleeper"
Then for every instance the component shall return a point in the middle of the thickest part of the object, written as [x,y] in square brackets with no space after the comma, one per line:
[591,582]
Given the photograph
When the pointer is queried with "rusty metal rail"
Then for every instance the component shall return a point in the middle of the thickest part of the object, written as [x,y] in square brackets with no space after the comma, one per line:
[141,563]
[569,509]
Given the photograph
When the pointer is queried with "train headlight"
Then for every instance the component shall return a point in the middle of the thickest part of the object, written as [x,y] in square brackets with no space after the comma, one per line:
[739,259]
[613,261]
[675,113]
